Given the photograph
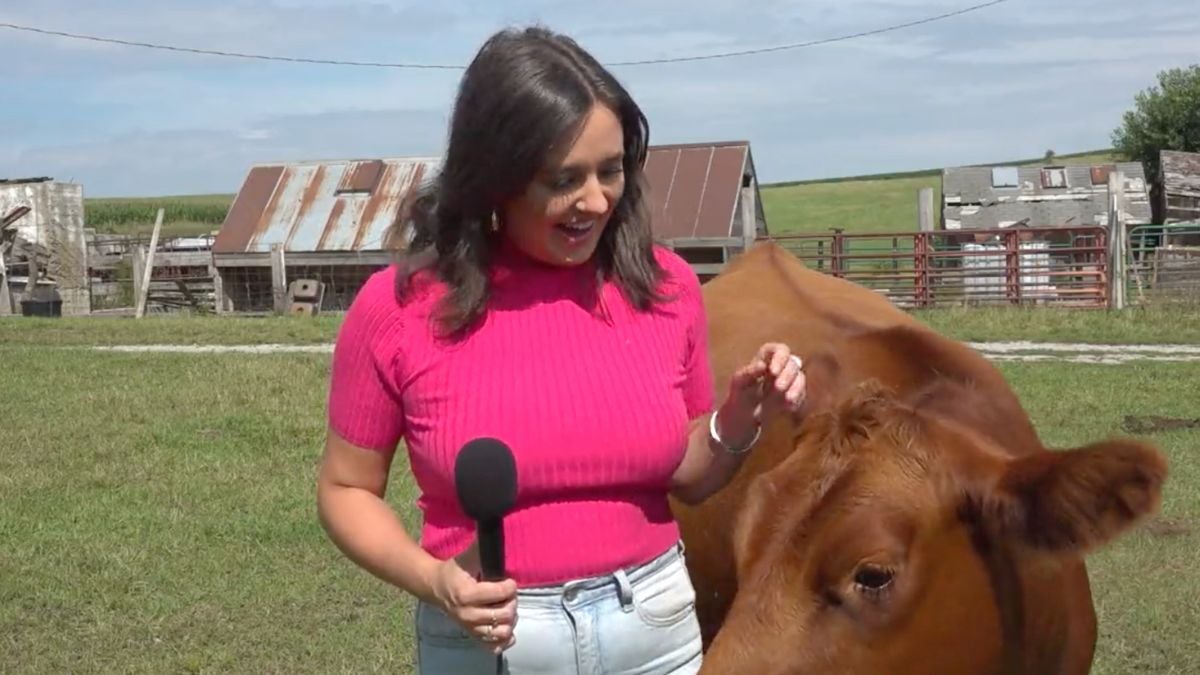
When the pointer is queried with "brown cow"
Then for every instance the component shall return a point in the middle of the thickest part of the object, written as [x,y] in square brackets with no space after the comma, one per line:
[911,521]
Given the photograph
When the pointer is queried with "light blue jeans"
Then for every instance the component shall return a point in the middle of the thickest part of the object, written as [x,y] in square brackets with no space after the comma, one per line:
[638,620]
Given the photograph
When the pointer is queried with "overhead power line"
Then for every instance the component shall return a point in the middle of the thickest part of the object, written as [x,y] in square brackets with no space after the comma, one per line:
[439,66]
[813,43]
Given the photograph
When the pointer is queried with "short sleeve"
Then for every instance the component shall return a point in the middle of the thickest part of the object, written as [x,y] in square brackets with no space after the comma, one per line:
[364,405]
[697,368]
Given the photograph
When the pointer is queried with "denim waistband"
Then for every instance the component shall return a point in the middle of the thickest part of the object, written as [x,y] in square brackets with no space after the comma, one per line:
[630,574]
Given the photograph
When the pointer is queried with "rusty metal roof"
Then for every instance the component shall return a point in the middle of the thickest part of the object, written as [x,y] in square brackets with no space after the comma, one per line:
[345,205]
[695,189]
[349,205]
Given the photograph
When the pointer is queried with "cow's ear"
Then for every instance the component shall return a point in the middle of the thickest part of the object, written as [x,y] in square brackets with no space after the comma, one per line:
[1080,499]
[823,383]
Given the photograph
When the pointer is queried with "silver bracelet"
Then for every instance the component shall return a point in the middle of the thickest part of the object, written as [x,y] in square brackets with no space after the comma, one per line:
[712,432]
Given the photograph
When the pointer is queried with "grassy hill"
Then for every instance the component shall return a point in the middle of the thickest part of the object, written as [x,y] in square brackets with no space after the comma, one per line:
[869,203]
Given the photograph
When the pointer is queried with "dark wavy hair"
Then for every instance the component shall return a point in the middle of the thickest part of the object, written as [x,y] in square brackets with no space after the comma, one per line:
[524,92]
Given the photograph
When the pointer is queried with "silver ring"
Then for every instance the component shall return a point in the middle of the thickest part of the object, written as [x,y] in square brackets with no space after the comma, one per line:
[493,620]
[796,359]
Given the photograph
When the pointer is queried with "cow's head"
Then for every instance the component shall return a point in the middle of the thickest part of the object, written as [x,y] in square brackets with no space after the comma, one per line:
[896,537]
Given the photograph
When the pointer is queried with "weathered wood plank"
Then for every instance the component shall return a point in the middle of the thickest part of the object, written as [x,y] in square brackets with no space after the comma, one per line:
[149,270]
[305,259]
[278,279]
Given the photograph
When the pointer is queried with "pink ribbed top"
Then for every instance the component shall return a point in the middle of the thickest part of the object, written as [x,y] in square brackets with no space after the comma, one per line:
[594,401]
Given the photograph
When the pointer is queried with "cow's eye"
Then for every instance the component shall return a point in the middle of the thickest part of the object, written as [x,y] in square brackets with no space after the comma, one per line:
[872,578]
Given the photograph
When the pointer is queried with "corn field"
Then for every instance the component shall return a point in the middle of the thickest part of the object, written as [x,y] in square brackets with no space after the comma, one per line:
[182,215]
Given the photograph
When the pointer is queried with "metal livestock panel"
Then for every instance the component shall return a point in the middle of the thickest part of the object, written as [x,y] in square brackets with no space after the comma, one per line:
[1064,266]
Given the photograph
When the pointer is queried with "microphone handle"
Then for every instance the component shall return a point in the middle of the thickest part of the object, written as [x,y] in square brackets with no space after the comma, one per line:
[491,560]
[491,549]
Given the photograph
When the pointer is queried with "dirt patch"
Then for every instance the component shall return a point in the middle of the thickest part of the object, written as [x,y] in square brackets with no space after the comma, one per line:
[1167,527]
[1149,424]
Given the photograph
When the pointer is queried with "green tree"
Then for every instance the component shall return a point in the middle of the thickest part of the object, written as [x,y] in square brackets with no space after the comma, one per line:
[1165,117]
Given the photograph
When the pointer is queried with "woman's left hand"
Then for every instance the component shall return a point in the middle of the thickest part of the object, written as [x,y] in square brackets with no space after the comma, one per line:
[773,380]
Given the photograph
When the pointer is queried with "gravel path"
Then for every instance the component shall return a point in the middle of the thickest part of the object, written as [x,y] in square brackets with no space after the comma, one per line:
[997,351]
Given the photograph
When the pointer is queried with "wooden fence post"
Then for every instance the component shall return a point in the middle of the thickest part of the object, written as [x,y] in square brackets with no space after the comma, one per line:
[1116,239]
[138,260]
[749,218]
[278,279]
[925,210]
[220,301]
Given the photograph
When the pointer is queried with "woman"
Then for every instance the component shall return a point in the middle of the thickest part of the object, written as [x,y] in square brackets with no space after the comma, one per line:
[534,307]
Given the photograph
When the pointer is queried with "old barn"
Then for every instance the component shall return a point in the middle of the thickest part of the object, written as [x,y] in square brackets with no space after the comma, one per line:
[986,197]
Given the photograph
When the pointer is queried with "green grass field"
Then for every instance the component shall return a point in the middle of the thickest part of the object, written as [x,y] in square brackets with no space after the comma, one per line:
[158,517]
[157,509]
[870,205]
[1150,324]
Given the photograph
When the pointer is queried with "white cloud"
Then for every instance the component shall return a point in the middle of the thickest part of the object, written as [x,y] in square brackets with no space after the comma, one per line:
[1008,80]
[212,160]
[256,134]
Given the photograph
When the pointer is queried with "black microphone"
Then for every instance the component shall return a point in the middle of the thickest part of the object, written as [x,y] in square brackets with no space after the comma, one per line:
[485,477]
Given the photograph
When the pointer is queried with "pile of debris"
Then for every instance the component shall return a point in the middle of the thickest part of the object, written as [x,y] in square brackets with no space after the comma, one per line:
[32,265]
[43,254]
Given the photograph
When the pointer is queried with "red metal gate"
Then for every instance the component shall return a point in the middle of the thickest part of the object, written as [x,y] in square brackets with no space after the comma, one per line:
[1064,266]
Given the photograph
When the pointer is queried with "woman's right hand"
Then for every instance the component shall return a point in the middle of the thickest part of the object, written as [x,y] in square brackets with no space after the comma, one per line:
[485,609]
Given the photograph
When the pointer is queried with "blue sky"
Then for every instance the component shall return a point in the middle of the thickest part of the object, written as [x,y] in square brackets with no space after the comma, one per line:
[1008,81]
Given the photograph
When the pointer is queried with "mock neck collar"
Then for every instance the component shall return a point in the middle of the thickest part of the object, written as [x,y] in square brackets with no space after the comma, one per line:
[511,263]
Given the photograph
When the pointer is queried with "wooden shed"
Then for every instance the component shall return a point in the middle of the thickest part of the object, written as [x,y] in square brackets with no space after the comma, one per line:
[706,201]
[327,221]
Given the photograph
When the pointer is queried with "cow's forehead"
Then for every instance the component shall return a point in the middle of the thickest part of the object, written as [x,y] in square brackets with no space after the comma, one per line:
[875,451]
[871,454]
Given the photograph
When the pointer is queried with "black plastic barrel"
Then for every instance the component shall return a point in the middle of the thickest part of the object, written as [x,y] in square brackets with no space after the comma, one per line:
[42,302]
